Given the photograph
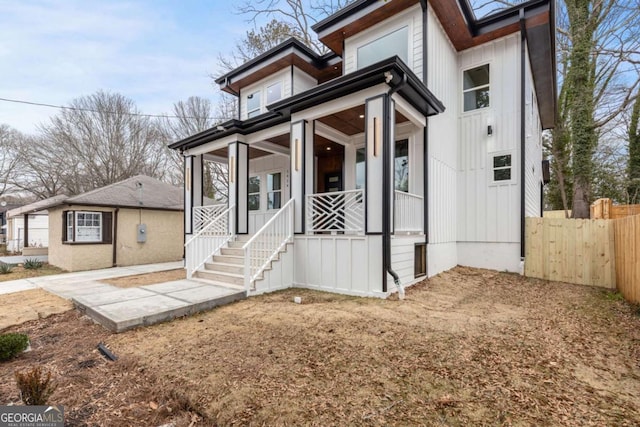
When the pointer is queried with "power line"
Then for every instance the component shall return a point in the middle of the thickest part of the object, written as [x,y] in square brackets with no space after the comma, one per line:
[89,110]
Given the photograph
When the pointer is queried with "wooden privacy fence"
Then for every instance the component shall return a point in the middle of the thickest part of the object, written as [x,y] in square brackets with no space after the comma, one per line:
[600,252]
[578,251]
[605,209]
[627,238]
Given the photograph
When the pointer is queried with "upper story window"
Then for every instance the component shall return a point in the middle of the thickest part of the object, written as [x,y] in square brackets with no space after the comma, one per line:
[475,88]
[395,43]
[501,167]
[274,92]
[253,104]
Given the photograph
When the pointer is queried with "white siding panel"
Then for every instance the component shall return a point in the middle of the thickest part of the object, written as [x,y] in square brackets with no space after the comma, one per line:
[489,212]
[403,259]
[280,276]
[496,256]
[302,81]
[533,148]
[441,257]
[443,146]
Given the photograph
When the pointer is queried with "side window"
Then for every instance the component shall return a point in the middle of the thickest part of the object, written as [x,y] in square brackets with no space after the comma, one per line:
[274,92]
[253,104]
[360,168]
[69,226]
[274,191]
[501,165]
[475,88]
[254,193]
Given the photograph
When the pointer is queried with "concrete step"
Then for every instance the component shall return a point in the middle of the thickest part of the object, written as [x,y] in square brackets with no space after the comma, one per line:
[219,276]
[243,237]
[224,267]
[217,283]
[232,251]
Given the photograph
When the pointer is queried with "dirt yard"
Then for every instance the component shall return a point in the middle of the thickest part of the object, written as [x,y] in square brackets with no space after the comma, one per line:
[468,347]
[24,306]
[19,272]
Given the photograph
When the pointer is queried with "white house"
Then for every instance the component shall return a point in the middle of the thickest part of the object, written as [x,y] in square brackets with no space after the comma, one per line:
[412,147]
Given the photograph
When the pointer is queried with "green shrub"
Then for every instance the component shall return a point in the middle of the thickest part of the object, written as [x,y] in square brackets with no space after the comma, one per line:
[11,345]
[32,264]
[6,268]
[35,388]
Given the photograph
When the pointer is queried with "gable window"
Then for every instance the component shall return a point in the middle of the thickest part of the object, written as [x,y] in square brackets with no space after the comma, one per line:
[501,165]
[475,88]
[253,104]
[274,191]
[274,92]
[395,43]
[86,227]
[254,193]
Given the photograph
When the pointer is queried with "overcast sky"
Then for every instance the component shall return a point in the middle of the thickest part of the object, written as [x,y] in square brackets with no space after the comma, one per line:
[155,52]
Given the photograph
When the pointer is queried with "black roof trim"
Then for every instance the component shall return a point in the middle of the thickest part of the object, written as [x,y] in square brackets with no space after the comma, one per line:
[341,14]
[291,43]
[415,91]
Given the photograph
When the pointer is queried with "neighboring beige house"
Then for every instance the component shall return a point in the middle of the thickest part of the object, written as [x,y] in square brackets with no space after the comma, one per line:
[136,221]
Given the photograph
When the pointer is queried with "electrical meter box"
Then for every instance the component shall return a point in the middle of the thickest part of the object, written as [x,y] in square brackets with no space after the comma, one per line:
[142,233]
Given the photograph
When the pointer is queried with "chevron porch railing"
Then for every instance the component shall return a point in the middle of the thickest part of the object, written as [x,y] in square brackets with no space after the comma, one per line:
[341,211]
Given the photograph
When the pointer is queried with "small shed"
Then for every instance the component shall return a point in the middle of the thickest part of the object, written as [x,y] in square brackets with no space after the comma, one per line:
[136,221]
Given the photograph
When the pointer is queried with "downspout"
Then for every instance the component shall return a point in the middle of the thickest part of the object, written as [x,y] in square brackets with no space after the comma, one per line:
[114,239]
[386,199]
[523,39]
[425,131]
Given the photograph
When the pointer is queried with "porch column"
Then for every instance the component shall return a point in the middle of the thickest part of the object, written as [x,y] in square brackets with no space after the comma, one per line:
[379,120]
[238,187]
[301,170]
[192,189]
[26,231]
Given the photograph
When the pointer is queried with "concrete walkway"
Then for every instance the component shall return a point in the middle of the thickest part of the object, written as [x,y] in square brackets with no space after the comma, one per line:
[120,309]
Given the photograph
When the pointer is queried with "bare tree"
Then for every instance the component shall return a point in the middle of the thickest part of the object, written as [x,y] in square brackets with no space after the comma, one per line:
[42,169]
[95,141]
[8,157]
[193,116]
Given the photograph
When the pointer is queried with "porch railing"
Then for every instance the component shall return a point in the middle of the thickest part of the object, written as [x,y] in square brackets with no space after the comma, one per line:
[267,243]
[341,211]
[408,214]
[202,215]
[206,242]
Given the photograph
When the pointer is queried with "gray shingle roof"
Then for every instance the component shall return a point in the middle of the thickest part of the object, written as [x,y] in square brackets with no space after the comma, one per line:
[138,191]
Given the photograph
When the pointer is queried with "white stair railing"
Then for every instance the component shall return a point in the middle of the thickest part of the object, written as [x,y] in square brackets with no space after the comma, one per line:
[202,215]
[267,243]
[208,241]
[408,214]
[337,211]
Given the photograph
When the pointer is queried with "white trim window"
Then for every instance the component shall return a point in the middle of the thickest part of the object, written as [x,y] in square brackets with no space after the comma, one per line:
[390,44]
[475,88]
[502,171]
[253,104]
[274,92]
[86,227]
[274,190]
[254,193]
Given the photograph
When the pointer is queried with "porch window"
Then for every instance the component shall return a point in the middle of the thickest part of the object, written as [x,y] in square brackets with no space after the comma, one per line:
[395,43]
[475,88]
[360,168]
[274,191]
[401,156]
[274,92]
[254,193]
[86,227]
[253,104]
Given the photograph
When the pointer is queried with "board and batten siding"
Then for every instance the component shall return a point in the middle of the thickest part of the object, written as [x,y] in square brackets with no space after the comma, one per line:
[349,265]
[283,76]
[261,166]
[443,149]
[279,275]
[533,147]
[490,212]
[411,17]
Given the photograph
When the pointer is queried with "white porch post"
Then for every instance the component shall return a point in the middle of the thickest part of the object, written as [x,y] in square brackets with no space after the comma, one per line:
[238,187]
[188,187]
[301,170]
[374,131]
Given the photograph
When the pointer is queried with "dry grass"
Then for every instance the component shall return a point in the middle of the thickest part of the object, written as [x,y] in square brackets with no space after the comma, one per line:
[147,279]
[468,347]
[19,272]
[20,307]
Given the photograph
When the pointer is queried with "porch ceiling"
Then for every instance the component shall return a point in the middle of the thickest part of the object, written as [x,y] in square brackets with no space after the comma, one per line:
[351,122]
[254,153]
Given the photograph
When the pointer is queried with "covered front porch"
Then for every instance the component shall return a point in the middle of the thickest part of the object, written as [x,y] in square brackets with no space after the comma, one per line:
[344,160]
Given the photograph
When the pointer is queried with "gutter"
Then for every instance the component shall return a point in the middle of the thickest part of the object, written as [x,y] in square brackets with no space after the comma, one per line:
[386,199]
[523,39]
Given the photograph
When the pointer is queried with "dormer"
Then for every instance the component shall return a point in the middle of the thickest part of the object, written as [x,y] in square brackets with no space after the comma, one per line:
[286,70]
